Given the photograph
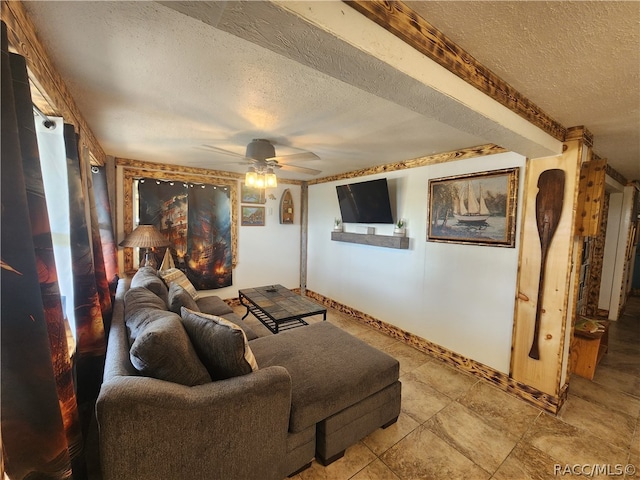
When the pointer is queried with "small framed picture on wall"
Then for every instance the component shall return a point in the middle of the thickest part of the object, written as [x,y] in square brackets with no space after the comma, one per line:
[252,216]
[252,195]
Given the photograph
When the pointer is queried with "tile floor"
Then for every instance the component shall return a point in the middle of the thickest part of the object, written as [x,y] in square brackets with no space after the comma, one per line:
[453,425]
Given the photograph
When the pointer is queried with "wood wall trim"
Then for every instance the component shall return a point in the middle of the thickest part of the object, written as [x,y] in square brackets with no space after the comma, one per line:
[406,24]
[24,39]
[499,379]
[472,152]
[579,132]
[205,172]
[617,176]
[590,197]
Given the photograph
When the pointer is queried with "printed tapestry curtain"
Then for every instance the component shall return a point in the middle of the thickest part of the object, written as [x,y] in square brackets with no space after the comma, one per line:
[40,430]
[196,219]
[103,213]
[44,413]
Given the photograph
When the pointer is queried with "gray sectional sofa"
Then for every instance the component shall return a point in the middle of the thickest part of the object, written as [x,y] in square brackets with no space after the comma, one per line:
[168,408]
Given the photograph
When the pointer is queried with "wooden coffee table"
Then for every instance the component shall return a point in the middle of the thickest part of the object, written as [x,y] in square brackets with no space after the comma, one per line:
[278,308]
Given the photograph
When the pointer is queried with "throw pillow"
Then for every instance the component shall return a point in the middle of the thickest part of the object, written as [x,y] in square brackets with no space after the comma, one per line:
[162,350]
[173,275]
[141,306]
[221,345]
[147,277]
[179,297]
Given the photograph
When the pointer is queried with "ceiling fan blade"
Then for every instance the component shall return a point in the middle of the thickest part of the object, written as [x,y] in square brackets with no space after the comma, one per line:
[295,168]
[223,151]
[295,157]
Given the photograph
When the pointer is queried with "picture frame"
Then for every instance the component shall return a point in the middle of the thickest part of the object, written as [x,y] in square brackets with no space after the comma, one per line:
[252,216]
[252,195]
[486,217]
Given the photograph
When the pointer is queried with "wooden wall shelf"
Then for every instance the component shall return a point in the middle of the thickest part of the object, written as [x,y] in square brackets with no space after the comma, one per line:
[387,241]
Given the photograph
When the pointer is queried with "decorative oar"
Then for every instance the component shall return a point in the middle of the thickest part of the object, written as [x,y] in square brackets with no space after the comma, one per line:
[548,211]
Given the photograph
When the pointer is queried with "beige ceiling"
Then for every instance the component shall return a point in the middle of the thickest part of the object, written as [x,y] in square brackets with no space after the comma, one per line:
[158,80]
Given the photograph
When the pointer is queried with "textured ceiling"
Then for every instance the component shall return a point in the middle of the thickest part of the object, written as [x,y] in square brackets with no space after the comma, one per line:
[156,81]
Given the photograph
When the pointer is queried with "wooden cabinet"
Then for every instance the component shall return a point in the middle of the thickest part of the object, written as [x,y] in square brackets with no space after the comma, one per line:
[587,349]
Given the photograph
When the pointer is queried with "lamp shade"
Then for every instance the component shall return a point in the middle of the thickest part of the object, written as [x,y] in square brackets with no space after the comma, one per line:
[145,236]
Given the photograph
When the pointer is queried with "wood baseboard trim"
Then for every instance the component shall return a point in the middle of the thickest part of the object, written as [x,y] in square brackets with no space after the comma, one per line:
[549,403]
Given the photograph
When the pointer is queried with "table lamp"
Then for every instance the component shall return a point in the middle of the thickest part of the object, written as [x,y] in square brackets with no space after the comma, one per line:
[147,237]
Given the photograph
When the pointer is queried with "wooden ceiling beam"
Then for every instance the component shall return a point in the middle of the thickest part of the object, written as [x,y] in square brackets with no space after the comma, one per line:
[403,22]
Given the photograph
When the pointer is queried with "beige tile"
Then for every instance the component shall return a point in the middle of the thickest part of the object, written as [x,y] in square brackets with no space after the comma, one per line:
[485,445]
[409,357]
[571,445]
[635,441]
[608,397]
[376,470]
[526,462]
[445,379]
[632,468]
[502,410]
[356,458]
[419,400]
[348,324]
[377,339]
[617,380]
[382,439]
[423,455]
[603,422]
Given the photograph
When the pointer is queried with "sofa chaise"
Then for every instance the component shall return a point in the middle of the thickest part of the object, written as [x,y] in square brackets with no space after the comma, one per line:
[171,407]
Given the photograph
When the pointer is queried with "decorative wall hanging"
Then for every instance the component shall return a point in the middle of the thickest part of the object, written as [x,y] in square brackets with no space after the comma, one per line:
[478,208]
[548,210]
[252,194]
[286,207]
[252,216]
[196,219]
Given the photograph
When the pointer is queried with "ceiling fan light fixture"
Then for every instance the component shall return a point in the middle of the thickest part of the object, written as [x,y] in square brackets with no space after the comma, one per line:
[260,181]
[251,177]
[270,178]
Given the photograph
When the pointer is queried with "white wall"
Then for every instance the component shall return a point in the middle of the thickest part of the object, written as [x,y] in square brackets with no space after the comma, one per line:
[461,297]
[270,254]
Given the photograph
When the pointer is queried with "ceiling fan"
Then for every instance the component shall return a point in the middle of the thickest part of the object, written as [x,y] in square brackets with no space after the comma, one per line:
[261,156]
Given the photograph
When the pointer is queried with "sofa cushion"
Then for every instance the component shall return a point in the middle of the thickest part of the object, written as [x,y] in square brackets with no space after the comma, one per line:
[173,275]
[213,305]
[141,306]
[221,345]
[235,318]
[330,369]
[179,297]
[162,350]
[147,277]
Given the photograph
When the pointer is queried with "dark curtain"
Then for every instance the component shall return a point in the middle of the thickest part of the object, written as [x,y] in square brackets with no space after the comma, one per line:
[196,219]
[40,429]
[103,212]
[102,283]
[90,337]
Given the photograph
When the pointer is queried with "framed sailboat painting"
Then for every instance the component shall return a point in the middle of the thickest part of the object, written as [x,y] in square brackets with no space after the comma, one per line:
[477,208]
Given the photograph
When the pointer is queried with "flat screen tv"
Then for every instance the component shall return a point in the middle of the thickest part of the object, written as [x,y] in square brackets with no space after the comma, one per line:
[365,202]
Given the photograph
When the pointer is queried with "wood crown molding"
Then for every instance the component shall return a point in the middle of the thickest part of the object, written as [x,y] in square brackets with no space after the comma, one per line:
[471,152]
[42,73]
[205,172]
[406,24]
[617,176]
[579,133]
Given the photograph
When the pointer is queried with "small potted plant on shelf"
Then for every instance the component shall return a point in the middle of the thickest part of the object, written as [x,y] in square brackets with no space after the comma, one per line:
[337,225]
[398,231]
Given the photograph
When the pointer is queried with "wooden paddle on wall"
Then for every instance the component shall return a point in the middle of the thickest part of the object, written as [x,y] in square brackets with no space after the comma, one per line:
[548,211]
